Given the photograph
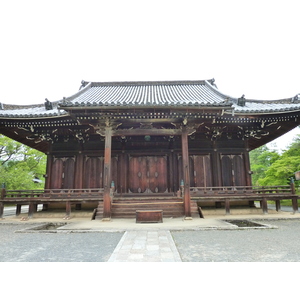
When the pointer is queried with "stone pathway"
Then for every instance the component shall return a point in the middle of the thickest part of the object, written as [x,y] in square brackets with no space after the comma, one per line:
[146,246]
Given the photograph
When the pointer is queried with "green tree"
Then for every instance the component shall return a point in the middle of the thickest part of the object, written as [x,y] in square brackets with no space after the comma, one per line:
[261,159]
[284,167]
[20,164]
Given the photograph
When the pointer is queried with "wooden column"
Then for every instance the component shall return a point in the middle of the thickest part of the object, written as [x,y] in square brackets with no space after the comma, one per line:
[78,175]
[216,166]
[294,198]
[227,206]
[18,209]
[1,209]
[31,209]
[107,173]
[186,173]
[247,166]
[264,205]
[122,178]
[68,210]
[48,170]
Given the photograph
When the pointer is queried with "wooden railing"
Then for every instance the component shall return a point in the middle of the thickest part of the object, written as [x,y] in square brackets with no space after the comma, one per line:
[51,194]
[240,190]
[35,197]
[246,193]
[216,194]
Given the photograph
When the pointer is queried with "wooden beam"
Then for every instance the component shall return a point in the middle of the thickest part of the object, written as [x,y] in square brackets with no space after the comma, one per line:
[141,132]
[186,172]
[107,174]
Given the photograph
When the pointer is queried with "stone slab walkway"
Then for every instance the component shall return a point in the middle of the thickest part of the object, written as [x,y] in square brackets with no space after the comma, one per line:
[146,246]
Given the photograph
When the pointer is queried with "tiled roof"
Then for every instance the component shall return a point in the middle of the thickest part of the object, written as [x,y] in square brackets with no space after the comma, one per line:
[172,93]
[31,111]
[150,94]
[268,106]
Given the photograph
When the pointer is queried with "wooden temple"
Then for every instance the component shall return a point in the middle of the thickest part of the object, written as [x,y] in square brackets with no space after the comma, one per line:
[160,145]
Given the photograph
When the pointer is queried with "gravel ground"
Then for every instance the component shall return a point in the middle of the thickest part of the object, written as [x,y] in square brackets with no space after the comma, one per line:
[55,247]
[250,245]
[247,245]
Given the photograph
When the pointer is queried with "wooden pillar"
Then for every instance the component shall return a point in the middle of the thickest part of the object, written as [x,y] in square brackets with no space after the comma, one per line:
[278,205]
[264,205]
[186,173]
[31,209]
[172,178]
[48,171]
[68,209]
[78,175]
[107,174]
[294,198]
[1,209]
[227,206]
[123,168]
[247,167]
[216,166]
[18,209]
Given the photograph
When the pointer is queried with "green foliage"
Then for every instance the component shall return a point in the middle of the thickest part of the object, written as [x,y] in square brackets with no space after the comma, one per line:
[20,164]
[272,168]
[261,159]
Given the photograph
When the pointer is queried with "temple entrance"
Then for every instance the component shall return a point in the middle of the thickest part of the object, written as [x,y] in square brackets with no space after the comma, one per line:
[147,174]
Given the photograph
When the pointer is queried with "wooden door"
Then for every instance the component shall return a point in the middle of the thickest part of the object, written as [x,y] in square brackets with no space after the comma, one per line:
[57,173]
[201,171]
[69,173]
[147,174]
[233,170]
[93,172]
[63,173]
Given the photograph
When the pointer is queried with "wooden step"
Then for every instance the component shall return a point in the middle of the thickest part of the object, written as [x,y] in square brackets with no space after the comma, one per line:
[126,208]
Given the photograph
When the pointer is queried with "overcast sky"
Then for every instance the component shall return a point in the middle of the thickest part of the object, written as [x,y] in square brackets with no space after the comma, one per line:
[48,47]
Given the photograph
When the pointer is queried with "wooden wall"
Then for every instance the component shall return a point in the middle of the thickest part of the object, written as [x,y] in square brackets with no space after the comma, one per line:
[149,171]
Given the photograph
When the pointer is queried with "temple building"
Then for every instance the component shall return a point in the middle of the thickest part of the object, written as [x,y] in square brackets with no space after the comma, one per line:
[148,142]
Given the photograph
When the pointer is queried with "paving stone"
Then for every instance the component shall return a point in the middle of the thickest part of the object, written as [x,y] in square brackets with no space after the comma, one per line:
[146,246]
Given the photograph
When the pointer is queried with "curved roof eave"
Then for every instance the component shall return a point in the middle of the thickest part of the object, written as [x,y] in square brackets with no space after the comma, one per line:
[151,94]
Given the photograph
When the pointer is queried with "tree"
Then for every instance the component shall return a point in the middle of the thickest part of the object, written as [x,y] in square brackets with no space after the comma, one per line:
[284,167]
[261,159]
[20,164]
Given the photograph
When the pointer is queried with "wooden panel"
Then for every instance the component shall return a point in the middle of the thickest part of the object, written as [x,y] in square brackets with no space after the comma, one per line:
[69,173]
[202,174]
[238,170]
[56,173]
[226,164]
[147,174]
[137,174]
[93,172]
[233,170]
[157,173]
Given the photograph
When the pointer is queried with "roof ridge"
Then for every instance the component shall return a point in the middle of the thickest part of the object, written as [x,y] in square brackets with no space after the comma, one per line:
[147,82]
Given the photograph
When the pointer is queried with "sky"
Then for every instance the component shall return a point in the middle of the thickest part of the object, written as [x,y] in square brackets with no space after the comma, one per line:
[248,47]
